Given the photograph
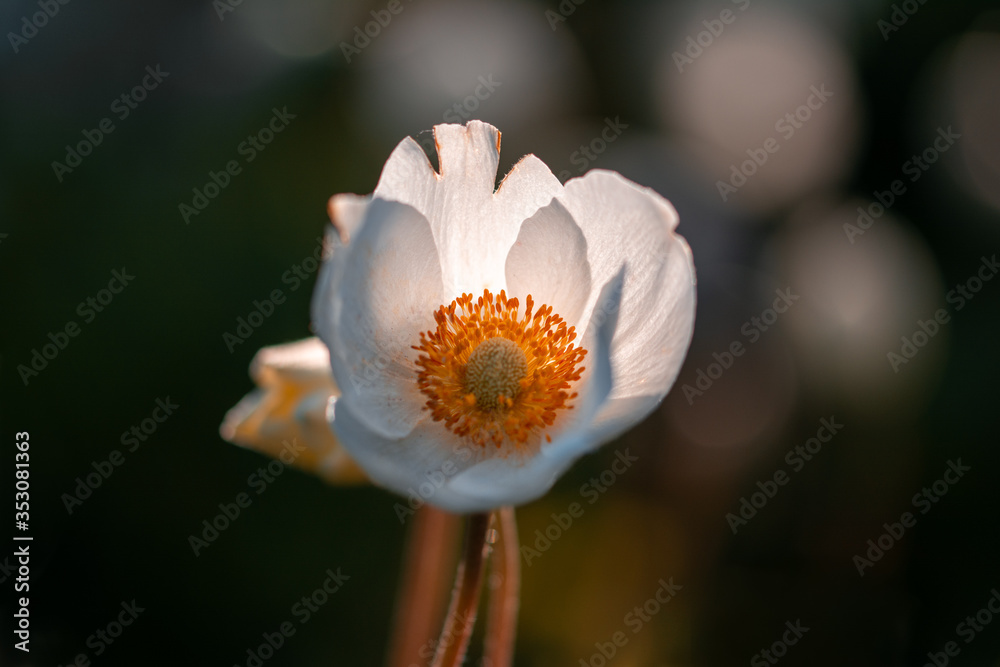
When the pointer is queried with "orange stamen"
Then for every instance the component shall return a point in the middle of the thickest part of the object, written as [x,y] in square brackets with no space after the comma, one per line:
[543,384]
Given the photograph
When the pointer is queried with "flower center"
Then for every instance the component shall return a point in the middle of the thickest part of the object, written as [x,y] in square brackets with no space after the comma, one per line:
[495,376]
[494,372]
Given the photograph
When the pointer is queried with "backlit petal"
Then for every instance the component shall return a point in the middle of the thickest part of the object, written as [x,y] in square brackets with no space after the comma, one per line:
[285,416]
[549,261]
[473,226]
[624,222]
[386,295]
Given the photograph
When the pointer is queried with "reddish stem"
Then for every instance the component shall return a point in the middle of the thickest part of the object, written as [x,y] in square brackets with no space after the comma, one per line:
[505,584]
[422,595]
[461,617]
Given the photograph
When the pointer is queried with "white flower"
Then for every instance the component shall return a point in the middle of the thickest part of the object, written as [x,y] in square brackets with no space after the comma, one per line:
[285,417]
[452,313]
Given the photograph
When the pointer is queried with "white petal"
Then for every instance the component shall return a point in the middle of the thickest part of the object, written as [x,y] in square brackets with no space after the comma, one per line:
[650,349]
[388,287]
[283,373]
[503,482]
[409,178]
[287,414]
[529,185]
[305,362]
[624,222]
[346,213]
[333,464]
[618,415]
[576,435]
[441,469]
[472,226]
[421,462]
[549,262]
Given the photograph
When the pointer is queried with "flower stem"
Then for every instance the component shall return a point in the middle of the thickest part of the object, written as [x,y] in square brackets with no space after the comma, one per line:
[420,606]
[461,617]
[505,584]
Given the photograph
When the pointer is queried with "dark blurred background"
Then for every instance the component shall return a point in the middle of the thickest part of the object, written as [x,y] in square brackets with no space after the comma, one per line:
[672,95]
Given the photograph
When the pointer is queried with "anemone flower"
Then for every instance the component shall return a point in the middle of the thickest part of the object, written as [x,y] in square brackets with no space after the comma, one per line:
[485,338]
[481,339]
[285,416]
